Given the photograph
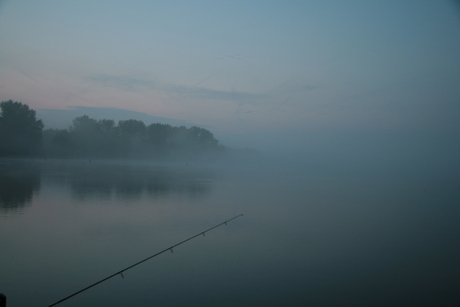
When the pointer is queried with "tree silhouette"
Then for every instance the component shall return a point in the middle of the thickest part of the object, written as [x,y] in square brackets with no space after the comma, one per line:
[90,138]
[20,131]
[158,134]
[131,128]
[202,137]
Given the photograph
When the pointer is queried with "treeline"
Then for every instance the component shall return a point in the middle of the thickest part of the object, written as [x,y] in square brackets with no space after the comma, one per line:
[104,139]
[92,138]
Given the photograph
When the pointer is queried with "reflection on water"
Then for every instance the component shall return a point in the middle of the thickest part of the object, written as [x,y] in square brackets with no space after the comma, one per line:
[120,181]
[19,181]
[305,240]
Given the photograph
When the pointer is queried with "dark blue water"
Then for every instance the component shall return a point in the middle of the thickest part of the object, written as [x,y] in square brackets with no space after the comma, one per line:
[306,238]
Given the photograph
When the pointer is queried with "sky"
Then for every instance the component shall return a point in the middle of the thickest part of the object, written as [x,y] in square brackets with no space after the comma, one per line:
[297,75]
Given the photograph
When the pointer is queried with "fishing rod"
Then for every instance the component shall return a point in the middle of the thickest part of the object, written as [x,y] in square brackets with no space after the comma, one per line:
[139,262]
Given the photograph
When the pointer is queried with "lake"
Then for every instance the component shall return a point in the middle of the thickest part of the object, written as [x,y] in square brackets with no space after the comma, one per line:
[308,237]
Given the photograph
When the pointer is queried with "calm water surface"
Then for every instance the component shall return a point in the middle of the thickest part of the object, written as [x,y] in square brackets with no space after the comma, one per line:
[306,238]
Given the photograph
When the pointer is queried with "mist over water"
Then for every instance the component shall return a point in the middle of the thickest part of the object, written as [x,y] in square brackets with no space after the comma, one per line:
[333,127]
[310,235]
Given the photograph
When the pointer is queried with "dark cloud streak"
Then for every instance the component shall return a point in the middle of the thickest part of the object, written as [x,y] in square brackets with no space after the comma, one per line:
[207,78]
[128,83]
[125,83]
[27,75]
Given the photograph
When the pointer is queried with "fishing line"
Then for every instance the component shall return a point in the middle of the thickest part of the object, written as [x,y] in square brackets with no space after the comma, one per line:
[150,257]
